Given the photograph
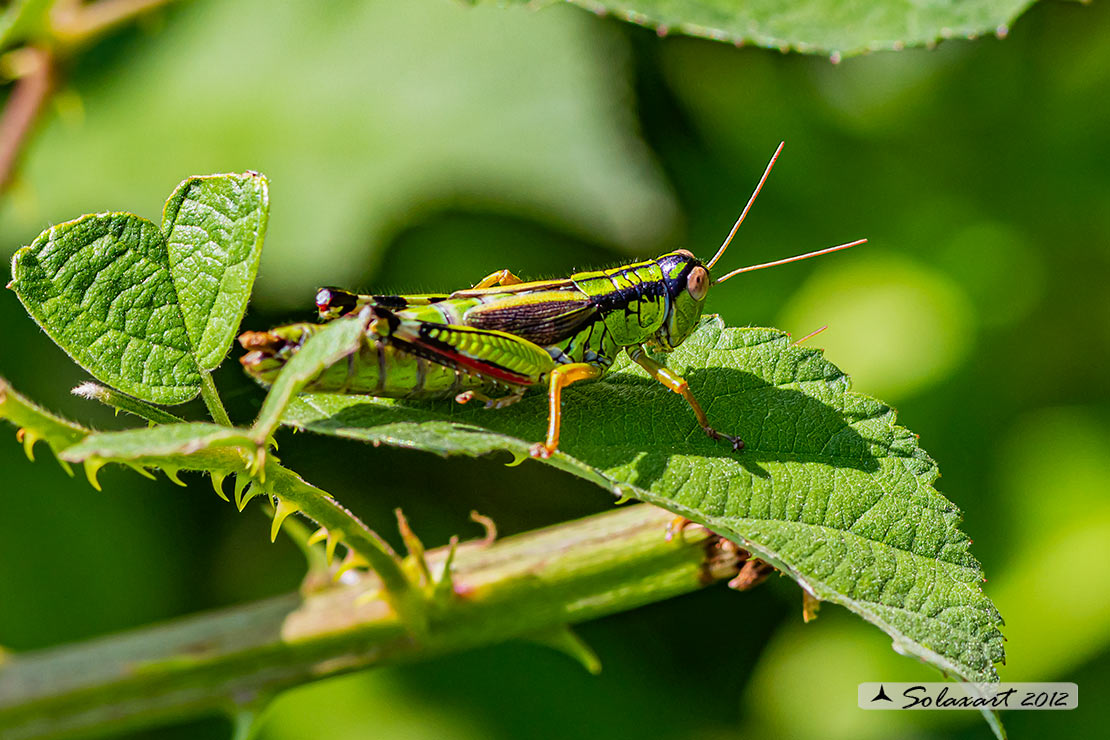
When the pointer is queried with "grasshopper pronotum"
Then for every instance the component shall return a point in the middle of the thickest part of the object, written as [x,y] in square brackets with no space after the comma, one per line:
[494,341]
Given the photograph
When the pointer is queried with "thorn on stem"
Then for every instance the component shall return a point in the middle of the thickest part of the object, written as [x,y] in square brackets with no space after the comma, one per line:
[92,466]
[218,484]
[488,525]
[281,513]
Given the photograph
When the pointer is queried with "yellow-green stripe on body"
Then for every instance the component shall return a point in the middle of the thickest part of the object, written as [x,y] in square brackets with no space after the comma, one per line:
[378,368]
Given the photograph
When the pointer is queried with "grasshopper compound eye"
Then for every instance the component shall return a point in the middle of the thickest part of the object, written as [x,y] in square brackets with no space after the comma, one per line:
[335,302]
[697,283]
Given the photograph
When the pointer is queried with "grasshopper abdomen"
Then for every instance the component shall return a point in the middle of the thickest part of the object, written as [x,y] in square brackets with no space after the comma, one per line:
[378,368]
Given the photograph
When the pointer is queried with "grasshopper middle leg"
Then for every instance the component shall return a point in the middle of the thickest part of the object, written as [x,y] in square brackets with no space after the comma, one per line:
[678,384]
[499,402]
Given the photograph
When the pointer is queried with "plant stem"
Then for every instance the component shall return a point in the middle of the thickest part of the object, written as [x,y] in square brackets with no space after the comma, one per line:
[77,22]
[517,587]
[21,112]
[212,400]
[123,402]
[398,591]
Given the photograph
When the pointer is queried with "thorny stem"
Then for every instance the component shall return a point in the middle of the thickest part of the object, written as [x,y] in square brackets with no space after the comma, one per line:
[398,591]
[123,402]
[524,585]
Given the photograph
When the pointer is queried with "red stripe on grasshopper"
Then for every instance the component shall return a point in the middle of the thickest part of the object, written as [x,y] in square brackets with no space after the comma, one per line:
[438,351]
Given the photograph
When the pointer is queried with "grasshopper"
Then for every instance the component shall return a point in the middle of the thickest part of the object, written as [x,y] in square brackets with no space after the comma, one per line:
[495,340]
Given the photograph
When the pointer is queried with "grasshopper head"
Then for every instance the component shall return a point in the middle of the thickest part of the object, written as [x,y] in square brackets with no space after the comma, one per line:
[687,284]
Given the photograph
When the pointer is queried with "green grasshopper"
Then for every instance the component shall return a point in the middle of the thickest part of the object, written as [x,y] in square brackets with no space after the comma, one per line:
[494,341]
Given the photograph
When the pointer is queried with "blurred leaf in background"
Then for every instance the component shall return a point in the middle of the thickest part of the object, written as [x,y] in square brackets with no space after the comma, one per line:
[421,145]
[816,26]
[436,102]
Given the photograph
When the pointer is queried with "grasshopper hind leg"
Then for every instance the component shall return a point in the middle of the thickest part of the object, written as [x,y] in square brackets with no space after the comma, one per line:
[559,378]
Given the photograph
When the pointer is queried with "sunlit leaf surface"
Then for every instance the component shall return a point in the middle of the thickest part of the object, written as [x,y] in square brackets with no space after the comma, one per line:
[829,489]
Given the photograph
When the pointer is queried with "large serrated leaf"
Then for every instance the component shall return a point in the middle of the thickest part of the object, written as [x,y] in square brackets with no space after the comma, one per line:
[829,489]
[101,288]
[214,226]
[818,26]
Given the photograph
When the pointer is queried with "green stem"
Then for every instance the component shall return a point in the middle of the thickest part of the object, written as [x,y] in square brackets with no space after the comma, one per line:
[212,400]
[123,402]
[515,588]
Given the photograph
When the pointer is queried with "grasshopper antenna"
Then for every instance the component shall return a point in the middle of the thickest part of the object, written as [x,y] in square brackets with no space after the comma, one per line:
[747,208]
[788,260]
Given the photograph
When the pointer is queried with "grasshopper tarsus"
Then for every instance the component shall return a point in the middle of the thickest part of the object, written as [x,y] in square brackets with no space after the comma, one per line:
[676,526]
[540,450]
[736,442]
[490,403]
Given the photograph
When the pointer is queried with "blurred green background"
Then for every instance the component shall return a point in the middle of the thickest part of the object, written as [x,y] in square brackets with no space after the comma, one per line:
[420,145]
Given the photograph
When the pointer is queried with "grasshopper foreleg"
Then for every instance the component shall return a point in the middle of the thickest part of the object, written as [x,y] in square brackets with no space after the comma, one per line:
[678,384]
[559,378]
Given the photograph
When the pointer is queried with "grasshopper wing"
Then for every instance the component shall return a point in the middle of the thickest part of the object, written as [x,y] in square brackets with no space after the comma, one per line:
[544,317]
[497,355]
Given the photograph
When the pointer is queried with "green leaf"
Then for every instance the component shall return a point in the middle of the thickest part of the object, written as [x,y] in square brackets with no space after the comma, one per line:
[817,26]
[829,490]
[212,448]
[196,446]
[323,349]
[214,226]
[101,288]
